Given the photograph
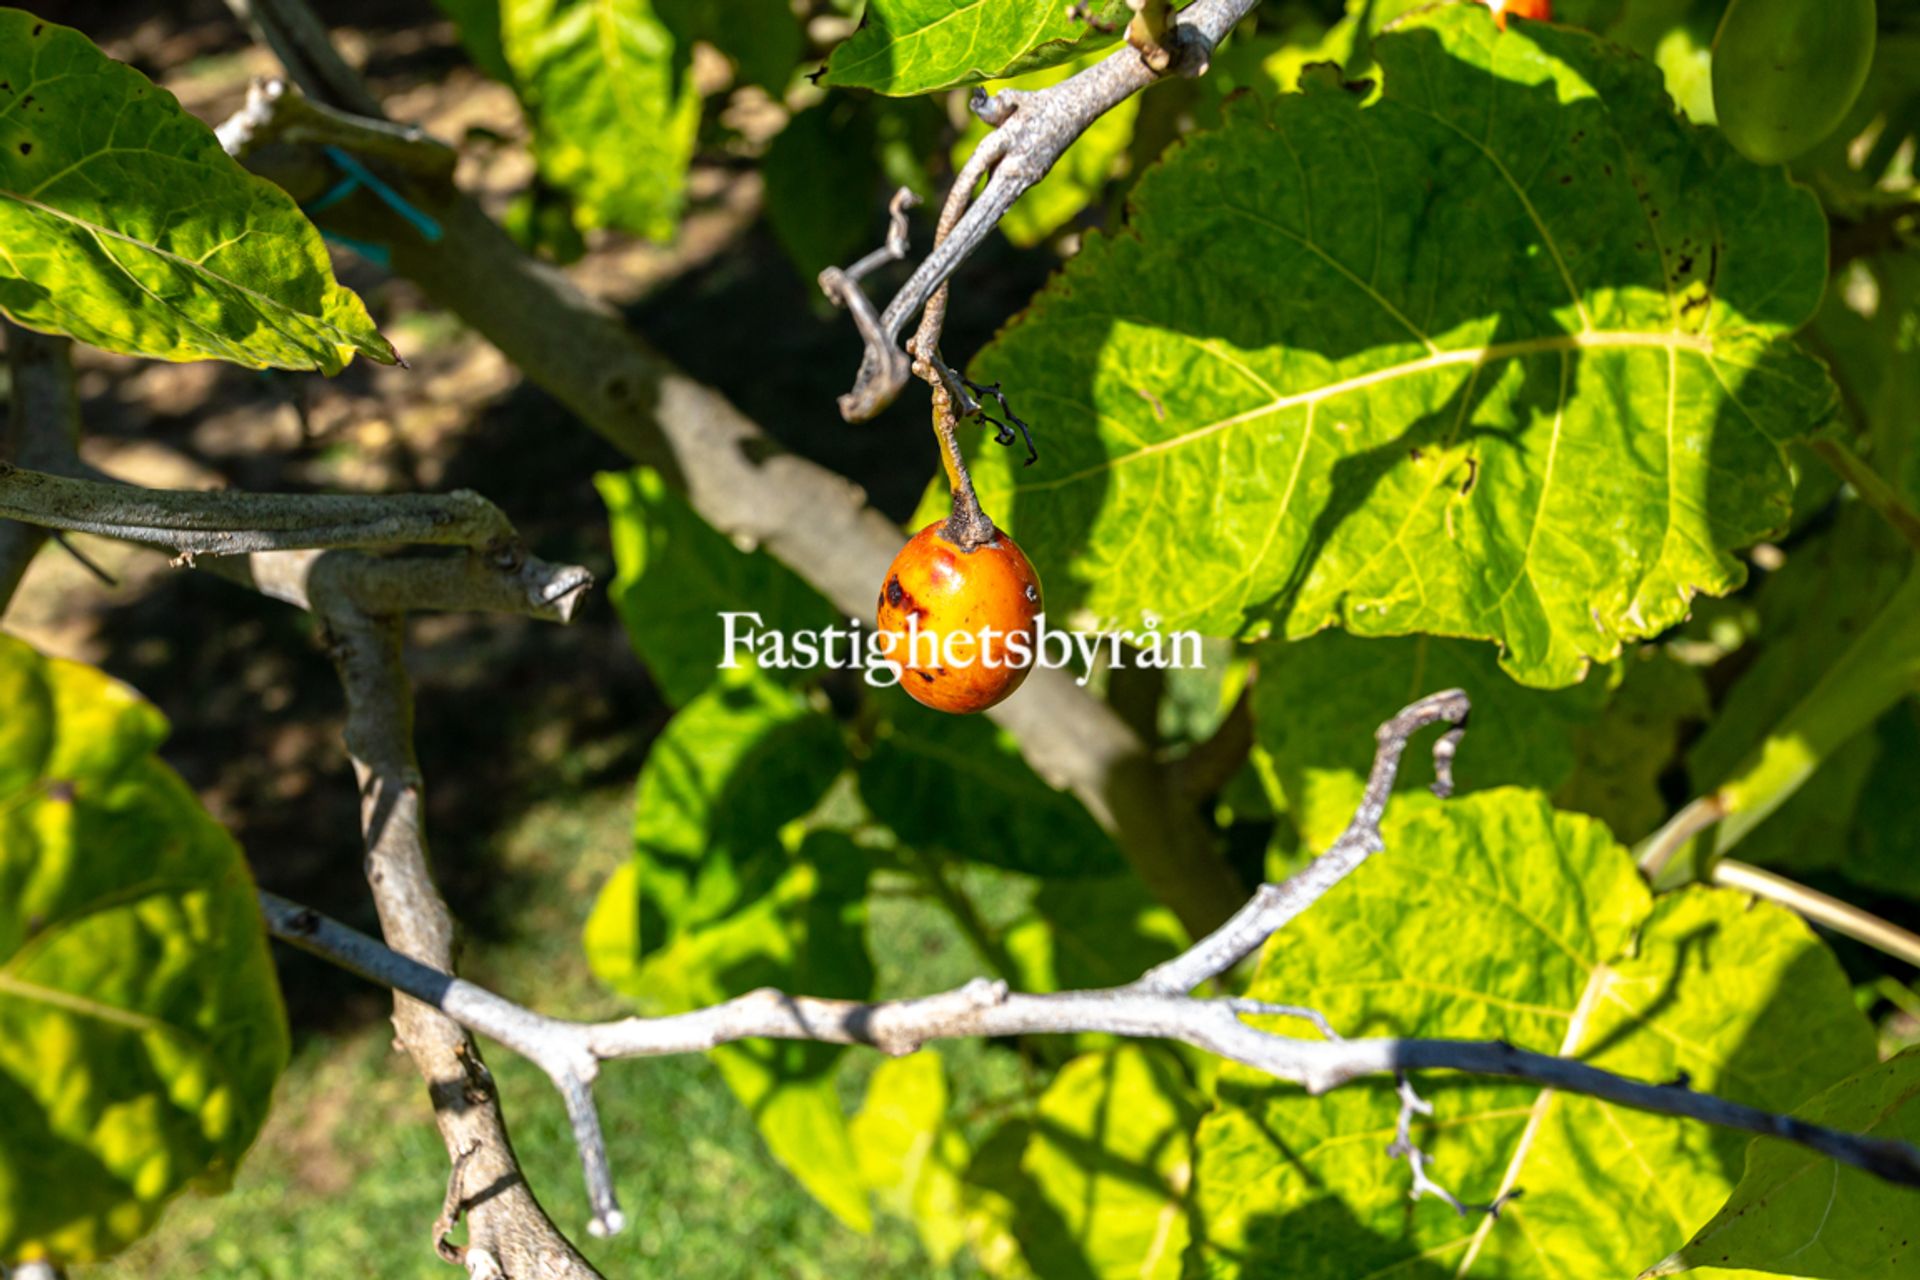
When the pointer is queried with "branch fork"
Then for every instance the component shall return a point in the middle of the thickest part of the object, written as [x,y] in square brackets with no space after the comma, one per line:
[1032,129]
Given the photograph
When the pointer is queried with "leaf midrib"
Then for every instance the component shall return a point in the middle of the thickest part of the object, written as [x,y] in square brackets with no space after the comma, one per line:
[1471,357]
[259,299]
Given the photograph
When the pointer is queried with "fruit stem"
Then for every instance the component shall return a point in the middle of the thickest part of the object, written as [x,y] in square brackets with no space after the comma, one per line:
[968,525]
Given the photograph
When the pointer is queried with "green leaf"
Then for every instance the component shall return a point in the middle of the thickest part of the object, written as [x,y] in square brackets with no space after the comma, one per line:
[1108,1162]
[730,770]
[1796,1213]
[1493,917]
[958,784]
[910,1153]
[123,223]
[1840,626]
[1089,932]
[1498,356]
[1078,177]
[676,576]
[614,110]
[762,37]
[1619,759]
[806,932]
[1316,699]
[140,1024]
[1868,329]
[904,47]
[477,22]
[823,185]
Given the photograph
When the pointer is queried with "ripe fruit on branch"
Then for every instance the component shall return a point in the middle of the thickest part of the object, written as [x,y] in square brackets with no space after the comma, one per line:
[960,619]
[1786,72]
[1540,10]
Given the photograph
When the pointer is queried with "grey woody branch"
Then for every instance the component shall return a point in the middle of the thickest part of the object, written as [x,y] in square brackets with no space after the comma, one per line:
[361,600]
[226,522]
[41,428]
[744,484]
[1158,1006]
[1032,129]
[275,112]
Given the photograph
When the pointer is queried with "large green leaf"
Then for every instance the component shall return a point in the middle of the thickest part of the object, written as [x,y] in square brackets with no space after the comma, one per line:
[806,932]
[911,1154]
[1312,694]
[1868,329]
[1091,931]
[1493,917]
[140,1025]
[1795,1213]
[904,47]
[1620,758]
[614,110]
[958,785]
[730,770]
[1108,1160]
[762,37]
[1077,177]
[676,578]
[124,224]
[823,184]
[477,23]
[1499,355]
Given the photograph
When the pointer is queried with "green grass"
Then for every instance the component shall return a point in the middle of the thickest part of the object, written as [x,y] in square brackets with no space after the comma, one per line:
[348,1177]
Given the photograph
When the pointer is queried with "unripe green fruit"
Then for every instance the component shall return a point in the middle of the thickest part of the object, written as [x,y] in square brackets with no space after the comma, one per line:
[1785,72]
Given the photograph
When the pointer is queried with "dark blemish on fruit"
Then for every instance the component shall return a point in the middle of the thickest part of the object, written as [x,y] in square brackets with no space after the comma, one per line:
[1694,304]
[1566,179]
[38,27]
[924,676]
[895,593]
[60,791]
[1607,169]
[1473,474]
[26,148]
[1686,263]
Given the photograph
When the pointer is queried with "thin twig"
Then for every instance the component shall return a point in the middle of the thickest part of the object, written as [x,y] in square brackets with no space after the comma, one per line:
[1822,909]
[275,111]
[1035,128]
[1273,906]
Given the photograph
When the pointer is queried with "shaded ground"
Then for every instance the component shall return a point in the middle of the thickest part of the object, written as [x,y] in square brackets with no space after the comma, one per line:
[530,735]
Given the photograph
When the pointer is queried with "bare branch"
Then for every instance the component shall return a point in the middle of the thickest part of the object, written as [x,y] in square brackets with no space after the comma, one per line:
[275,111]
[224,522]
[42,428]
[507,1226]
[1034,130]
[1273,906]
[570,1051]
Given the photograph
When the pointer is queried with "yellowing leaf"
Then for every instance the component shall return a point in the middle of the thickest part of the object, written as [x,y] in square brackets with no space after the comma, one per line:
[123,223]
[140,1025]
[614,111]
[1493,917]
